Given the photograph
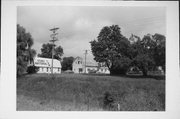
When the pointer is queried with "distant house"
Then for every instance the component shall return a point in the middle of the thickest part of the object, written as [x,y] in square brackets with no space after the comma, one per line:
[44,65]
[78,65]
[91,67]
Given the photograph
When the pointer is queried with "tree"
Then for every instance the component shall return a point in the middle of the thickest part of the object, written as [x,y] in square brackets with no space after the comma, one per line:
[67,63]
[149,52]
[121,65]
[159,51]
[142,53]
[143,62]
[46,51]
[110,47]
[24,51]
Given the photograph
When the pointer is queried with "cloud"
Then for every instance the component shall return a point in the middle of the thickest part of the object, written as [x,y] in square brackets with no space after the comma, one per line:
[81,24]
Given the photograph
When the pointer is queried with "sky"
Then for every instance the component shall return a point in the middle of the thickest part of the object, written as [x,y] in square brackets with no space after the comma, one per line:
[81,24]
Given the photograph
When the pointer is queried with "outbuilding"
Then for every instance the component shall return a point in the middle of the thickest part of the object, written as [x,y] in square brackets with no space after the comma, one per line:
[44,65]
[91,67]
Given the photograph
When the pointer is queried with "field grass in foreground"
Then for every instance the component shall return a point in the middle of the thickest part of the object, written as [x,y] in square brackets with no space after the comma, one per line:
[76,92]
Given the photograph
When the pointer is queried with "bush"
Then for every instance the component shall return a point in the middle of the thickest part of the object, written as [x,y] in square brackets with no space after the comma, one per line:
[21,66]
[108,101]
[32,69]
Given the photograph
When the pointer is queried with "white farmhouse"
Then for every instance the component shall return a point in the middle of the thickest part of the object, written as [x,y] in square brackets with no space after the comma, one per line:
[78,66]
[45,64]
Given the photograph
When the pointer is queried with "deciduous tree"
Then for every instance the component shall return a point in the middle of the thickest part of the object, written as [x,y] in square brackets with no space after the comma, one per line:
[110,47]
[46,51]
[24,51]
[149,52]
[159,51]
[67,63]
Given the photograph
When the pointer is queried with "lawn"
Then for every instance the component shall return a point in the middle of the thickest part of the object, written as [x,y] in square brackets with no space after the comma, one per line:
[78,92]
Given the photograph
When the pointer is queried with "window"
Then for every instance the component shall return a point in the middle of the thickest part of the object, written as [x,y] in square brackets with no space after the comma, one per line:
[80,70]
[47,69]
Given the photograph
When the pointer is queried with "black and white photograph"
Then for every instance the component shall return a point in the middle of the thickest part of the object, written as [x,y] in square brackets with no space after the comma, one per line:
[91,58]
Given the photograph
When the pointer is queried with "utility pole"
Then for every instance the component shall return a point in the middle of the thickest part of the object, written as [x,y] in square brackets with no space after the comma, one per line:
[54,39]
[86,52]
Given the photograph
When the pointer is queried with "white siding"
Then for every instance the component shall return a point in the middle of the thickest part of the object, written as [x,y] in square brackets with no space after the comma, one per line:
[91,68]
[78,65]
[44,65]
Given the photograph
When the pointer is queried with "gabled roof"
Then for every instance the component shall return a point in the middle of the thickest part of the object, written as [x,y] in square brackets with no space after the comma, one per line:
[46,62]
[78,58]
[88,63]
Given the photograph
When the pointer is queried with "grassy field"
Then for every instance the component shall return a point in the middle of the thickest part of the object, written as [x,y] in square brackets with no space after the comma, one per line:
[78,92]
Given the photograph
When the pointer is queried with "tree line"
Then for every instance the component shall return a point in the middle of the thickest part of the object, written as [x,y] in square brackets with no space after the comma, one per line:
[120,53]
[111,48]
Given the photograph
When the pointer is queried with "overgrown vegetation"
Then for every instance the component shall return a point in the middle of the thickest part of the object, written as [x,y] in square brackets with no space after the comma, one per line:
[89,92]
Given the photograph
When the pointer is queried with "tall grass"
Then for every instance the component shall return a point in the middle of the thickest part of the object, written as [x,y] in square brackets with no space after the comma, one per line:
[71,92]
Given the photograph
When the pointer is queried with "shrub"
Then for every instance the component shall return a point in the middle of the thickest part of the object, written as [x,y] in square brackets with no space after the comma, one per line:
[32,69]
[108,101]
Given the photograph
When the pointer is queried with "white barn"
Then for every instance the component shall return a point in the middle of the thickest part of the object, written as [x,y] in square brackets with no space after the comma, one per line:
[45,64]
[78,66]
